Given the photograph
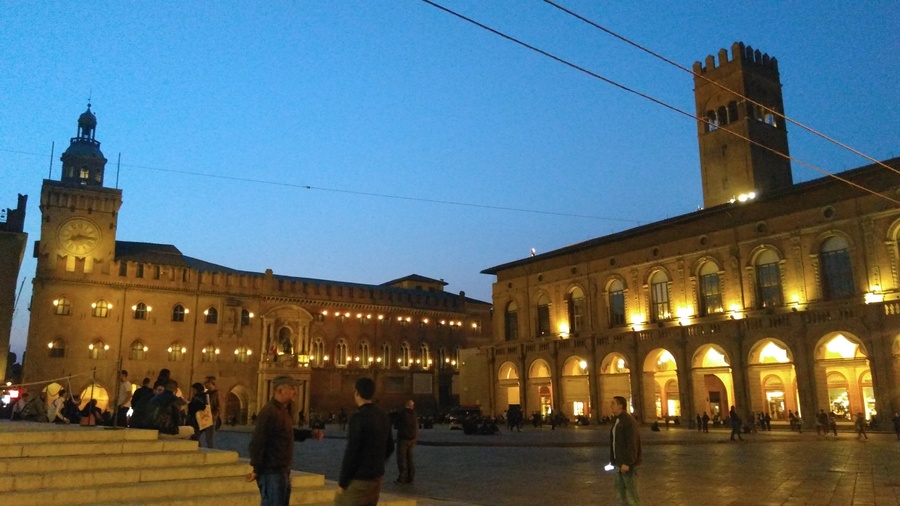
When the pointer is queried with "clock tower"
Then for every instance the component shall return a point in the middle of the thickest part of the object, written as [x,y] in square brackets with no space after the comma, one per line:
[79,215]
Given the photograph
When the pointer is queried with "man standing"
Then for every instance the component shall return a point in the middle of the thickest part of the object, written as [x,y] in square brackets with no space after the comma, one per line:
[735,422]
[124,400]
[369,444]
[212,398]
[624,452]
[272,445]
[407,433]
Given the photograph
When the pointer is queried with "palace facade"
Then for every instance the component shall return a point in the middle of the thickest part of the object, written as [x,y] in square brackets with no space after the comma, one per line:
[775,297]
[100,305]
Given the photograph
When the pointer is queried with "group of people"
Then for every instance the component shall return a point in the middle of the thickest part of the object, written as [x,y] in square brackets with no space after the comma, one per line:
[159,407]
[370,443]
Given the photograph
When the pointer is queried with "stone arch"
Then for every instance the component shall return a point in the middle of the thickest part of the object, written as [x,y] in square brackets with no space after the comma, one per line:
[843,354]
[713,382]
[539,394]
[237,406]
[615,379]
[508,386]
[575,387]
[660,367]
[772,358]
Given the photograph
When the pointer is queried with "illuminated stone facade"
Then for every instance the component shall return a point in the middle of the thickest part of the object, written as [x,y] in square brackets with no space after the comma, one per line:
[789,301]
[97,300]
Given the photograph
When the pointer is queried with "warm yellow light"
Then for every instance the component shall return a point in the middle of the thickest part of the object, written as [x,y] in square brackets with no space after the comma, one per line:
[637,319]
[183,350]
[236,352]
[134,308]
[409,318]
[356,359]
[94,305]
[325,358]
[447,360]
[378,360]
[249,353]
[453,363]
[217,351]
[715,359]
[771,352]
[872,297]
[146,349]
[564,328]
[443,322]
[368,316]
[359,315]
[105,346]
[583,364]
[186,310]
[795,298]
[90,346]
[347,315]
[203,350]
[842,346]
[170,349]
[325,312]
[399,318]
[55,302]
[50,345]
[425,320]
[381,317]
[371,359]
[399,360]
[206,312]
[474,325]
[251,315]
[429,361]
[149,309]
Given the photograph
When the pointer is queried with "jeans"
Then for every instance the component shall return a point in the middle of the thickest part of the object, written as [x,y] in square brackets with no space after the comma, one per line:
[274,489]
[405,465]
[626,488]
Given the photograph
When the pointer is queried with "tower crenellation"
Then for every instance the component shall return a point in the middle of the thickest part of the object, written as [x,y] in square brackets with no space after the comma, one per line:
[740,55]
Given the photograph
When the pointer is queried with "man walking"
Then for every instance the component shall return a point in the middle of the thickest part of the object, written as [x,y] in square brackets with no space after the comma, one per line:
[272,445]
[735,421]
[624,452]
[407,433]
[369,444]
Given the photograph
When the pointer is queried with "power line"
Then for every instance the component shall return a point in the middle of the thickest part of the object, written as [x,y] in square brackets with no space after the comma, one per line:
[651,98]
[721,86]
[361,193]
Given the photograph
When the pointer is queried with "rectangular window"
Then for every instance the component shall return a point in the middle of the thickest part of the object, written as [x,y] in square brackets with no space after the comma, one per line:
[616,308]
[140,271]
[123,268]
[512,326]
[710,297]
[543,319]
[837,276]
[768,285]
[576,314]
[659,297]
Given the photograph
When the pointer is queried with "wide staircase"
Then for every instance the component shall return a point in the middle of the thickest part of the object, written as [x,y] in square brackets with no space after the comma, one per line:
[43,464]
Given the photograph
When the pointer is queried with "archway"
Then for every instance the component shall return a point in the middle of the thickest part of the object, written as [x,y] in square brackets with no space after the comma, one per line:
[773,379]
[237,406]
[576,389]
[540,388]
[841,366]
[712,380]
[660,377]
[508,387]
[615,379]
[94,391]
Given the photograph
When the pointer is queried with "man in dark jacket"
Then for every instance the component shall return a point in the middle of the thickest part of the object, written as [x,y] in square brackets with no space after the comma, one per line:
[272,445]
[369,444]
[624,452]
[407,433]
[165,413]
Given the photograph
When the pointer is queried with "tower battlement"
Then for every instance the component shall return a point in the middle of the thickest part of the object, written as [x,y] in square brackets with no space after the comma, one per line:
[741,55]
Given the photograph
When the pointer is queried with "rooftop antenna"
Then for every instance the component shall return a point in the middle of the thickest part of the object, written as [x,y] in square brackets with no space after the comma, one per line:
[52,148]
[118,164]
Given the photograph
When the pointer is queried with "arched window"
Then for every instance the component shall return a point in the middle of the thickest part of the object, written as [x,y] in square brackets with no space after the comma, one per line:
[732,111]
[659,297]
[711,122]
[137,351]
[242,354]
[340,354]
[210,353]
[176,352]
[543,315]
[768,280]
[365,358]
[424,359]
[384,358]
[57,348]
[63,306]
[710,291]
[443,360]
[140,310]
[837,274]
[100,309]
[511,326]
[212,315]
[616,294]
[178,313]
[318,353]
[722,115]
[245,317]
[405,358]
[97,349]
[576,303]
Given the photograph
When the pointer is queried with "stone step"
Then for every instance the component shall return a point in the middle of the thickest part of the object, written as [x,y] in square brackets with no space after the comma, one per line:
[95,448]
[34,432]
[134,493]
[71,463]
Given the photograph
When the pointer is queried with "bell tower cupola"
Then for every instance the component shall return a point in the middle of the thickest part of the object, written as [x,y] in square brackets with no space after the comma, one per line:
[83,162]
[740,99]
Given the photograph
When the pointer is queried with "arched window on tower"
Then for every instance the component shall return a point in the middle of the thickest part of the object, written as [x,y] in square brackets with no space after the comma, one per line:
[100,309]
[178,313]
[97,349]
[137,351]
[212,316]
[63,306]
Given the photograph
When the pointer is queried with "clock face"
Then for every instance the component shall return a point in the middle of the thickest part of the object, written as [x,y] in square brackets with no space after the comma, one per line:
[78,236]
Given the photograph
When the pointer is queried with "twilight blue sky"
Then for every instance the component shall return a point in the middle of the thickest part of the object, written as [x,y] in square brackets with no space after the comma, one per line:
[398,98]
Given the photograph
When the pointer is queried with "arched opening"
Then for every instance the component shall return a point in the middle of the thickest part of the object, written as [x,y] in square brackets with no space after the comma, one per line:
[237,406]
[660,369]
[540,388]
[576,389]
[615,379]
[94,391]
[508,387]
[773,378]
[712,380]
[842,365]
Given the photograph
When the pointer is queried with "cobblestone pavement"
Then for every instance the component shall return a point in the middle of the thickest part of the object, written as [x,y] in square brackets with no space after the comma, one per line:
[565,466]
